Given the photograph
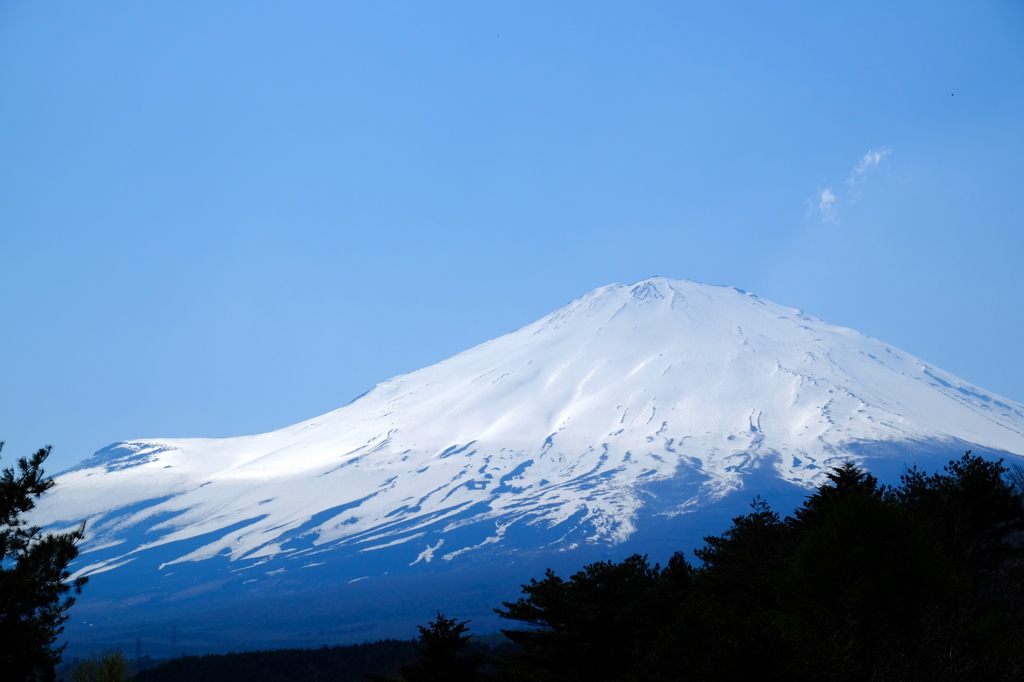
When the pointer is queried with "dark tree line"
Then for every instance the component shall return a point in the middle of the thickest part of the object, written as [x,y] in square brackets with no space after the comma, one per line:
[336,664]
[919,581]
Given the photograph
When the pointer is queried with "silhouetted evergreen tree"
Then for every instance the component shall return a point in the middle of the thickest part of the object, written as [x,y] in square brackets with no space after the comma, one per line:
[844,481]
[33,576]
[969,509]
[724,625]
[596,625]
[441,655]
[861,584]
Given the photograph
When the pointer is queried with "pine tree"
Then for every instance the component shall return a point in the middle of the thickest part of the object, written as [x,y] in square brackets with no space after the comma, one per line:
[33,576]
[441,655]
[595,625]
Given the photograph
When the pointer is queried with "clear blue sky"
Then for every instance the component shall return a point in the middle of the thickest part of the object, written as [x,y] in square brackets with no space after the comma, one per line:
[220,218]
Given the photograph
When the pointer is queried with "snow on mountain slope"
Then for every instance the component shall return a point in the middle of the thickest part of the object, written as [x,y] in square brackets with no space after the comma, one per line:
[559,425]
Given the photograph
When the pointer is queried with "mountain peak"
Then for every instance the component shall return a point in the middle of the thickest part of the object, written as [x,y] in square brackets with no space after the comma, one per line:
[562,425]
[650,289]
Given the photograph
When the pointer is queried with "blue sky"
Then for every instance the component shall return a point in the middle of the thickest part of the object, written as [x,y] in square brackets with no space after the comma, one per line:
[220,218]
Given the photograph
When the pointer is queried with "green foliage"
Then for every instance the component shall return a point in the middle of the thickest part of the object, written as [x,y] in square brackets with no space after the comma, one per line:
[110,666]
[33,576]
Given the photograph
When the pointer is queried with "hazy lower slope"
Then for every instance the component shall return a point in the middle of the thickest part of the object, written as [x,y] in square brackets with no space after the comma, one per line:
[551,434]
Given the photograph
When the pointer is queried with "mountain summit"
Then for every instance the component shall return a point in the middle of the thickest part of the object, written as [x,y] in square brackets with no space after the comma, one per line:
[560,423]
[554,436]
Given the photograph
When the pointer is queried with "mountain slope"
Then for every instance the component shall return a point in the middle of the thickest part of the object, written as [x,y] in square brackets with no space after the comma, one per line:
[551,435]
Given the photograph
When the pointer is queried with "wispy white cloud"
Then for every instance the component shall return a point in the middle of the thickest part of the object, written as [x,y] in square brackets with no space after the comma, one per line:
[867,163]
[826,204]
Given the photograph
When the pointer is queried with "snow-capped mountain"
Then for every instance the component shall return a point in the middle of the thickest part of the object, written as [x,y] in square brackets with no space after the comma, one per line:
[555,435]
